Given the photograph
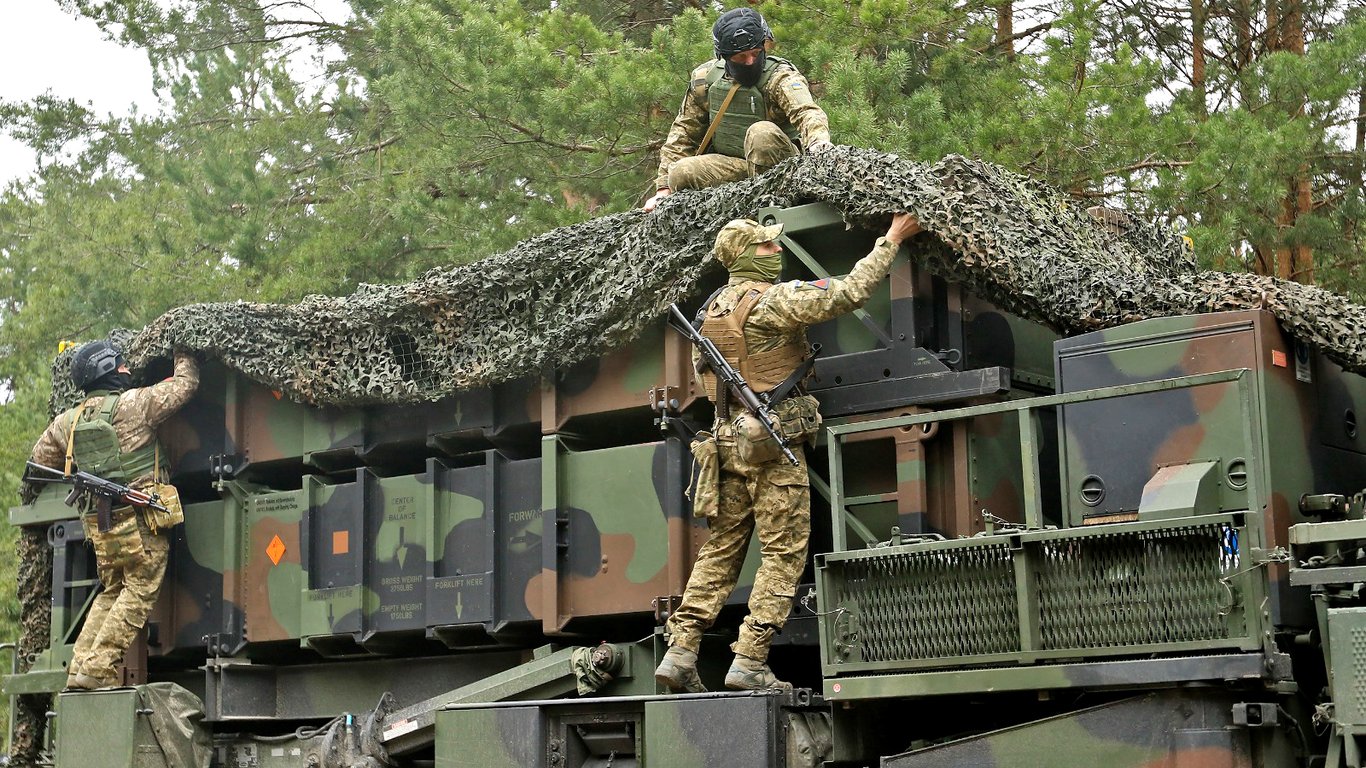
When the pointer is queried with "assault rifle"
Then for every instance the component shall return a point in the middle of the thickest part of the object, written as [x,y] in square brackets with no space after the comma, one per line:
[757,404]
[103,492]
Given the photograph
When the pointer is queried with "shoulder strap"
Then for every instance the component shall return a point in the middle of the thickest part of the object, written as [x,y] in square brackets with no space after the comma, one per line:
[111,401]
[716,118]
[71,435]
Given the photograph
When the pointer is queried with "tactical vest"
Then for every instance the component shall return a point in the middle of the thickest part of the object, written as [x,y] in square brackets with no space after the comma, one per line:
[747,108]
[763,370]
[95,446]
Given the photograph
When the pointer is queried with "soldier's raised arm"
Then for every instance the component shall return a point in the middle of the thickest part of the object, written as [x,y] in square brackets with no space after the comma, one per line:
[797,303]
[156,403]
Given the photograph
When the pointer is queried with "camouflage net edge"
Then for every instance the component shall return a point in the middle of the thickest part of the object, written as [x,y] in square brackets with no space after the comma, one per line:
[572,293]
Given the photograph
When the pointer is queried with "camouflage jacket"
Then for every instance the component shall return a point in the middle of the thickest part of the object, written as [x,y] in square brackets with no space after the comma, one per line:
[789,103]
[140,411]
[783,313]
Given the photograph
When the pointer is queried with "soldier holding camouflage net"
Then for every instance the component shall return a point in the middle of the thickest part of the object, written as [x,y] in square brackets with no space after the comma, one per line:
[131,554]
[743,113]
[745,485]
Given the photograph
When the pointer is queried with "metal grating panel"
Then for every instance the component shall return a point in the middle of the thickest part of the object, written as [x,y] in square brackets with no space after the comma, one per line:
[926,605]
[1347,646]
[1135,588]
[1041,593]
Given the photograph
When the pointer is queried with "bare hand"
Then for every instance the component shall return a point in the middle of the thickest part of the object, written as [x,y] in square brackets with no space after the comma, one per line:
[652,202]
[904,225]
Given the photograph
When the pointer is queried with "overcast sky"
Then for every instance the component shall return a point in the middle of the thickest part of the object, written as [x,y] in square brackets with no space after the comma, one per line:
[43,48]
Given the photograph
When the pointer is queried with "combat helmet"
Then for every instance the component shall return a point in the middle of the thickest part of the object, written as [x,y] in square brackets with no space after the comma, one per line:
[93,361]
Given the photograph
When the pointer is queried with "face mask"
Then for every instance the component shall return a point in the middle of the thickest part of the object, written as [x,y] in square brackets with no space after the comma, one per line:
[748,76]
[113,382]
[752,266]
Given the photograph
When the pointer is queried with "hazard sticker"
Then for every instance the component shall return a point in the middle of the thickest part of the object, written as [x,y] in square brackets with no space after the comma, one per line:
[275,550]
[341,542]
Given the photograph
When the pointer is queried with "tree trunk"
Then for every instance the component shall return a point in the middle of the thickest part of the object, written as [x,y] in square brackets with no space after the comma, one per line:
[1285,28]
[1198,57]
[1005,29]
[1241,16]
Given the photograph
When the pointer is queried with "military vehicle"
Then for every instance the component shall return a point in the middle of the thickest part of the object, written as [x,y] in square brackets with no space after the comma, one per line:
[1140,546]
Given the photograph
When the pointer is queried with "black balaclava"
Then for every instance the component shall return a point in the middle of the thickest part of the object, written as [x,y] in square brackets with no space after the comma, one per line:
[113,382]
[741,29]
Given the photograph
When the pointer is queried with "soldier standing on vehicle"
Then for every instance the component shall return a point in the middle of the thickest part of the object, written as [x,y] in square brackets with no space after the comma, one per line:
[743,113]
[745,484]
[113,434]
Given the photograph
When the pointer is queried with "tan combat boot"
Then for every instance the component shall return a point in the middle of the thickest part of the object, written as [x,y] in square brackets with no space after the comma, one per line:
[746,674]
[79,681]
[678,671]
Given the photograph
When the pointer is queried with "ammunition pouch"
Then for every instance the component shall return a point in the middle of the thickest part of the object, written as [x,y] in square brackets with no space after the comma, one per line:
[167,496]
[705,490]
[797,419]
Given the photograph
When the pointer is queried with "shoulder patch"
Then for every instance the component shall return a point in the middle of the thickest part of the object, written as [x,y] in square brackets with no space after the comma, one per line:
[822,284]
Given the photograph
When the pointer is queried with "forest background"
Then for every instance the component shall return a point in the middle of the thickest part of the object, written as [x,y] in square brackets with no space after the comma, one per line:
[445,130]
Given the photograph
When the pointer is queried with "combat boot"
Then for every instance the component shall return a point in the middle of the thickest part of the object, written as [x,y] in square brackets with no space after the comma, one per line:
[80,681]
[678,671]
[746,674]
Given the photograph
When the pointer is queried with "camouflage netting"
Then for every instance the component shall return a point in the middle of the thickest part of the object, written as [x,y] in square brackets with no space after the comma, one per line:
[572,293]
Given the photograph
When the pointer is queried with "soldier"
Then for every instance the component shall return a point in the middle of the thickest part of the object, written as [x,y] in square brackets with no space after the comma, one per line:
[113,434]
[760,327]
[743,112]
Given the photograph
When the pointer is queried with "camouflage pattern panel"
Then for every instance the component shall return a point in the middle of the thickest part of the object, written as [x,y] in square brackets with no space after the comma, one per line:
[202,428]
[1171,729]
[1112,448]
[739,730]
[199,601]
[607,399]
[262,433]
[651,732]
[992,336]
[625,531]
[506,737]
[910,345]
[333,554]
[934,479]
[398,521]
[516,429]
[460,585]
[399,435]
[1189,442]
[272,580]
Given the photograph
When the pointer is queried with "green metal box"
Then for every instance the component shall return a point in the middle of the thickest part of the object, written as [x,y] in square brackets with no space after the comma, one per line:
[103,728]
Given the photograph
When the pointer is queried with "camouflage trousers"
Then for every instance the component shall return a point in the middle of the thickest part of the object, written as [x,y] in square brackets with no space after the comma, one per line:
[765,146]
[774,501]
[131,561]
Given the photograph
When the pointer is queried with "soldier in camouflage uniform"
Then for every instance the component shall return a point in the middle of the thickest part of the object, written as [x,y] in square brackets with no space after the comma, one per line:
[768,110]
[760,327]
[132,561]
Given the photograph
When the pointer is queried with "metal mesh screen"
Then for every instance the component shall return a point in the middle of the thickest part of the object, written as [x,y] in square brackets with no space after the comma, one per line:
[930,605]
[1087,592]
[1134,588]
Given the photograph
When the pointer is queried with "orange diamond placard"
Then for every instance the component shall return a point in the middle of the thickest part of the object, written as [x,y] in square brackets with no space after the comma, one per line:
[275,549]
